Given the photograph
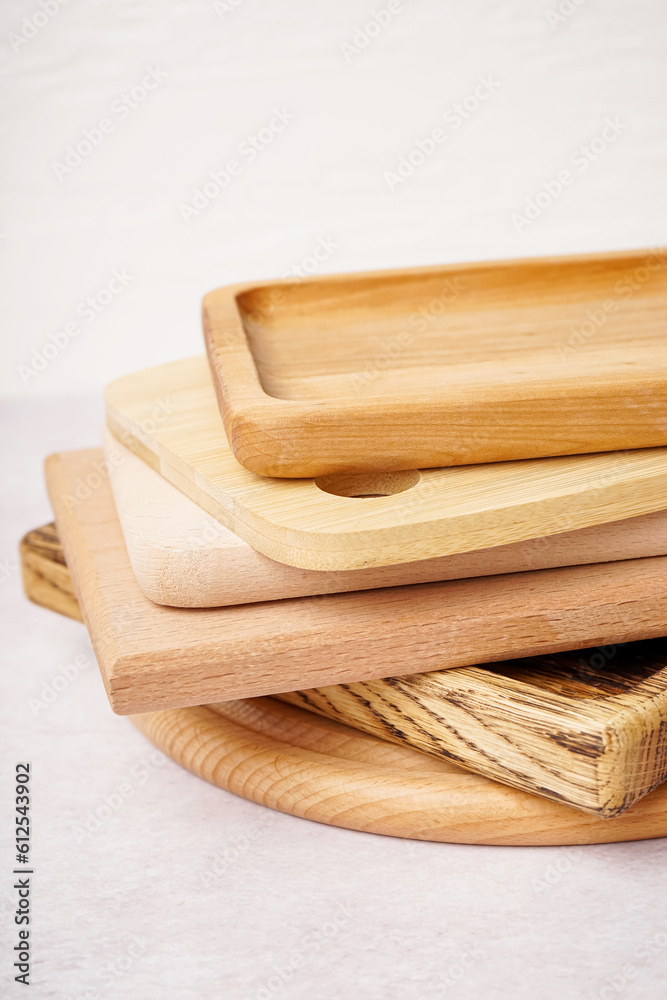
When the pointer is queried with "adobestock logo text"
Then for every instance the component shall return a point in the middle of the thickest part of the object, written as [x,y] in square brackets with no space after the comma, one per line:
[32,24]
[581,159]
[454,117]
[88,309]
[248,150]
[121,109]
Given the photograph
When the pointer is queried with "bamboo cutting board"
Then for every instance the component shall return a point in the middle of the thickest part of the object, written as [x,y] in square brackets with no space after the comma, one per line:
[155,657]
[439,366]
[584,727]
[183,557]
[169,417]
[287,759]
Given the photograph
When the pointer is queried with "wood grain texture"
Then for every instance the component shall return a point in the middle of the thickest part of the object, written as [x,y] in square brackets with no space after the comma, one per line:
[471,714]
[587,728]
[297,763]
[169,417]
[158,657]
[46,578]
[183,557]
[442,366]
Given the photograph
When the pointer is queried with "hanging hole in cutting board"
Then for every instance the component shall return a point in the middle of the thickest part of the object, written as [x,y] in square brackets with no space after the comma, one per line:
[365,485]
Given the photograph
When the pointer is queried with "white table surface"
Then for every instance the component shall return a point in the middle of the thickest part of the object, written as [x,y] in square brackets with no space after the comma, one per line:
[132,910]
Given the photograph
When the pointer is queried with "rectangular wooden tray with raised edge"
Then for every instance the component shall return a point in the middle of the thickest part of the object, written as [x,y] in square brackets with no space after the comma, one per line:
[439,366]
[168,416]
[154,657]
[584,727]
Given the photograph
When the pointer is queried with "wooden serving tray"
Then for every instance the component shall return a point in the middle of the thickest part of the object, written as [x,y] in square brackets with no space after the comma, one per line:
[439,366]
[298,763]
[183,557]
[169,417]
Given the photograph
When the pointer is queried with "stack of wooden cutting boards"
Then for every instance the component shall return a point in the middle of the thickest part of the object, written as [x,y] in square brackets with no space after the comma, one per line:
[396,501]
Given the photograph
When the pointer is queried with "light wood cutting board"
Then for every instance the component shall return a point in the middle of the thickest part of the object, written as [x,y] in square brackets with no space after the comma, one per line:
[184,557]
[158,657]
[584,727]
[169,417]
[439,366]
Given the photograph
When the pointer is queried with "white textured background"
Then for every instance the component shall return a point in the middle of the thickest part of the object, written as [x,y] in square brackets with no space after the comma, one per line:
[324,175]
[412,909]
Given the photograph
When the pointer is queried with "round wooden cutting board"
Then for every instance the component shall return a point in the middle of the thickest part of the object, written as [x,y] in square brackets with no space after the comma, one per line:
[288,759]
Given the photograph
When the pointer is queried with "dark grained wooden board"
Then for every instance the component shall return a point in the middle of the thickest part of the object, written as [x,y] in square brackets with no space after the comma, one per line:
[288,759]
[586,727]
[46,578]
